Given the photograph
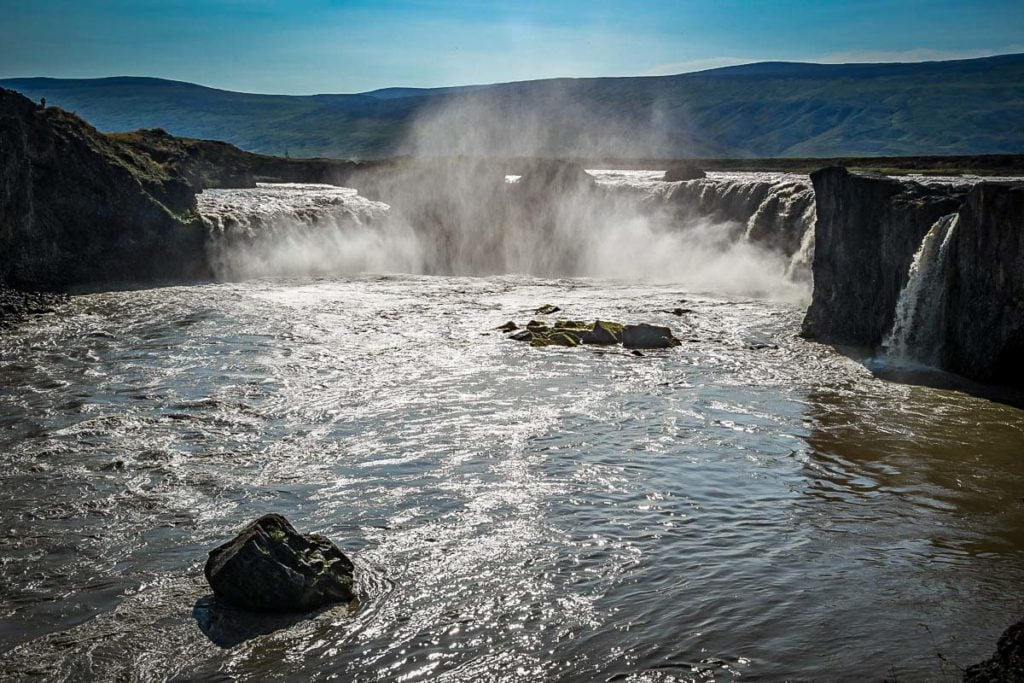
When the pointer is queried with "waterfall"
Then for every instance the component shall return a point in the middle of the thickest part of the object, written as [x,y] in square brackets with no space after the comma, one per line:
[799,268]
[749,237]
[916,333]
[299,230]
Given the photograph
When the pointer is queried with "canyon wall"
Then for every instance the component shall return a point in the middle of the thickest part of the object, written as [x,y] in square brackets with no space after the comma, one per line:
[77,208]
[870,230]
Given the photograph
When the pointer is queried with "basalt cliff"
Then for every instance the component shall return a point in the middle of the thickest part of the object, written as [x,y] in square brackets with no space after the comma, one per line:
[947,258]
[79,207]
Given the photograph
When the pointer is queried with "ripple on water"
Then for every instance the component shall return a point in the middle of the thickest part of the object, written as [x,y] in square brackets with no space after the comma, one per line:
[747,505]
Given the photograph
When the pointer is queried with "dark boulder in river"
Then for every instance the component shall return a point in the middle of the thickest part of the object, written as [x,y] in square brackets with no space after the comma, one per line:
[270,567]
[1006,665]
[644,336]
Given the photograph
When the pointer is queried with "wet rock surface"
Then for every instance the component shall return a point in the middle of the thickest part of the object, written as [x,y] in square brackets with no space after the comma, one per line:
[644,336]
[867,234]
[270,567]
[597,333]
[1007,663]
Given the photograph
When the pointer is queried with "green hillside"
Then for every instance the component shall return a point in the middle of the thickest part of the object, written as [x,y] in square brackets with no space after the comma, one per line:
[758,110]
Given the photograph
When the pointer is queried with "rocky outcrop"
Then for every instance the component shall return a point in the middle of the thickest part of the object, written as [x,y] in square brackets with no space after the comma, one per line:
[77,207]
[598,333]
[984,331]
[866,233]
[270,567]
[1006,665]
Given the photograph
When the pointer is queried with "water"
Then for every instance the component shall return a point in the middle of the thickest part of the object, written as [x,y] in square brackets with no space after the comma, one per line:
[916,333]
[747,506]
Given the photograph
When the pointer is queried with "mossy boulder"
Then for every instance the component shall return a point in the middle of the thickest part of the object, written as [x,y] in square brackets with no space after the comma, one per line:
[270,567]
[599,332]
[555,338]
[603,333]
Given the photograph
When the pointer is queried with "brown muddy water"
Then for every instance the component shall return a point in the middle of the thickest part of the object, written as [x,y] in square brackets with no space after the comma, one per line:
[718,511]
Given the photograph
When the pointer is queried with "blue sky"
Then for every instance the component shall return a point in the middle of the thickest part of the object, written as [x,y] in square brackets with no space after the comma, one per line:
[317,46]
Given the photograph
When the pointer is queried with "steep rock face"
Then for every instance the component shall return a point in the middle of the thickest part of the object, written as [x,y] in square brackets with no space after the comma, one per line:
[77,207]
[985,297]
[866,233]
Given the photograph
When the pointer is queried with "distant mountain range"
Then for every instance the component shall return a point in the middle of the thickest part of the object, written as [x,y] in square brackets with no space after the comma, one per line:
[770,109]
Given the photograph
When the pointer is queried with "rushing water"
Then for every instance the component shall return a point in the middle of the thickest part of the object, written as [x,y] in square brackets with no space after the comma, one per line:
[916,333]
[747,506]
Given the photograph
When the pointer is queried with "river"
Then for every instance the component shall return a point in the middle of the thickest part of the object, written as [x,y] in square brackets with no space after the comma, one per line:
[747,506]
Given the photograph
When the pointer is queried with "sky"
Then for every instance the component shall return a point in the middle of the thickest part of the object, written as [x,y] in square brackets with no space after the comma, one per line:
[324,46]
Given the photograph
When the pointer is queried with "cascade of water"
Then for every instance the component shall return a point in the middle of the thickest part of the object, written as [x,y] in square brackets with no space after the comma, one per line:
[291,229]
[799,268]
[627,226]
[917,324]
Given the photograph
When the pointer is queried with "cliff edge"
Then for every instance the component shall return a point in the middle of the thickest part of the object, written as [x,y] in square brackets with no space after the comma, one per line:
[78,207]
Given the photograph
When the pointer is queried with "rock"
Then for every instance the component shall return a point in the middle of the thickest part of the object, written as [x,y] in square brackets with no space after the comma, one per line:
[1006,665]
[524,336]
[508,327]
[78,206]
[984,315]
[555,338]
[270,567]
[547,309]
[866,234]
[644,336]
[684,172]
[603,333]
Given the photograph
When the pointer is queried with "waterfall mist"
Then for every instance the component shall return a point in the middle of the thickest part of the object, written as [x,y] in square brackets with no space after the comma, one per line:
[303,230]
[451,209]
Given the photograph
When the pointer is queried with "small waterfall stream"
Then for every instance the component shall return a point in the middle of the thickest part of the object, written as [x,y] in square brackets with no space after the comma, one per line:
[917,326]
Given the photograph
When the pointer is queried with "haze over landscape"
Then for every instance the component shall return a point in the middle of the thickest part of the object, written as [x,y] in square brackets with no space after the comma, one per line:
[436,340]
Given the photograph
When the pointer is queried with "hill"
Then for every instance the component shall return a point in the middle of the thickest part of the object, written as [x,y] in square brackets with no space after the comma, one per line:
[771,109]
